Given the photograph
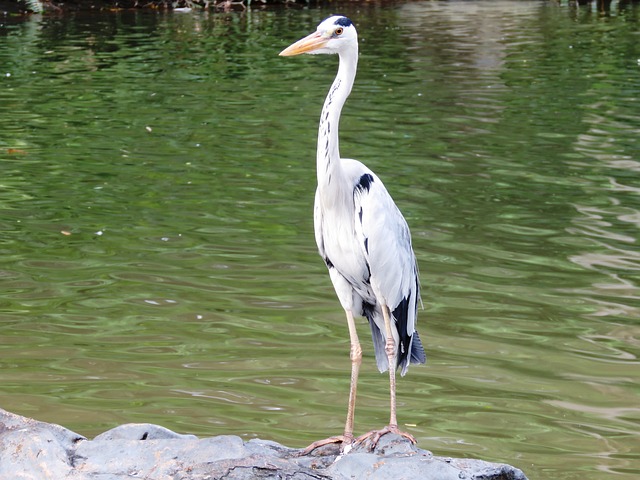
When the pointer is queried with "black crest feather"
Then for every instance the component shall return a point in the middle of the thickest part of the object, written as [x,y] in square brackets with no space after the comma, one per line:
[344,22]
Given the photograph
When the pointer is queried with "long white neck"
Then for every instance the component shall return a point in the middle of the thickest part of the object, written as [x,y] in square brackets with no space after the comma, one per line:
[328,155]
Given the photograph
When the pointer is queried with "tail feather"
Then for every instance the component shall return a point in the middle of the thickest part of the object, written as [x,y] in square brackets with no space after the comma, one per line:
[378,346]
[417,355]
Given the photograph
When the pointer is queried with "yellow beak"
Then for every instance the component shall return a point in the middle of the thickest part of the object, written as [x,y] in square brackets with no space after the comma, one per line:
[307,44]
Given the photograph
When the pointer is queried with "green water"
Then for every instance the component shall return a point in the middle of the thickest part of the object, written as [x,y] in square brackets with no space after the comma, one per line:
[157,256]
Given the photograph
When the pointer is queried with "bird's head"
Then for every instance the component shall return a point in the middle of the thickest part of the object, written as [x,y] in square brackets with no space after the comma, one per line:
[333,35]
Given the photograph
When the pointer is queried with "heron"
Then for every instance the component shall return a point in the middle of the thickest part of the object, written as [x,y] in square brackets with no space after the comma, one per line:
[363,238]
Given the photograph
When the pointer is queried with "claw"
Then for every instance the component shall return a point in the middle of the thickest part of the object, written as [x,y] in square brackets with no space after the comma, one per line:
[343,439]
[375,435]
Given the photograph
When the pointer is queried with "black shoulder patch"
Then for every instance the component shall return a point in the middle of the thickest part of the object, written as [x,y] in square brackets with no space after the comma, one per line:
[365,182]
[344,22]
[328,262]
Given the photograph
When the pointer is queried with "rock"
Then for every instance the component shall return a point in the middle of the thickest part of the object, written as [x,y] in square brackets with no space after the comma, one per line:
[41,451]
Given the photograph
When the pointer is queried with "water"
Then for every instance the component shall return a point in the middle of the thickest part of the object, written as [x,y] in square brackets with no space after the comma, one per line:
[157,253]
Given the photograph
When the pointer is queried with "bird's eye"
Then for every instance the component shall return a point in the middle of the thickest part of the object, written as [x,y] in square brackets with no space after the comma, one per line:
[338,31]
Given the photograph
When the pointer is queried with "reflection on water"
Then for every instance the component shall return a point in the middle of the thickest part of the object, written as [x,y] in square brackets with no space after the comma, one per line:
[158,260]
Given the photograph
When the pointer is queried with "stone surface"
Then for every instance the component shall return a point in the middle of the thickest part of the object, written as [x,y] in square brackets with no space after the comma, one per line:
[41,451]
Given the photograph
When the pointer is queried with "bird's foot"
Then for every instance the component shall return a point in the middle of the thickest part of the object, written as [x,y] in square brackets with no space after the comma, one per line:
[344,440]
[374,436]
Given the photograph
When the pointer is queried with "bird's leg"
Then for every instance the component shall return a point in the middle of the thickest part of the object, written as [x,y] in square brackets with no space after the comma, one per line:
[356,359]
[390,350]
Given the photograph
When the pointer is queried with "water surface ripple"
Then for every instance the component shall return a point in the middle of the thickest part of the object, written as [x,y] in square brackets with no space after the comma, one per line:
[157,254]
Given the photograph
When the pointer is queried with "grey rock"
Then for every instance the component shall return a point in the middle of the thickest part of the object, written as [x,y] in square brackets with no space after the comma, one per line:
[141,431]
[30,449]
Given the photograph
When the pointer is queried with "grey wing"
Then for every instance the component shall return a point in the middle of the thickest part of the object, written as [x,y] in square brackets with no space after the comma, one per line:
[386,243]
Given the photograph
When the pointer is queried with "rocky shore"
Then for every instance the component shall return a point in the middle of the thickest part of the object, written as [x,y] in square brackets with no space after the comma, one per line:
[30,449]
